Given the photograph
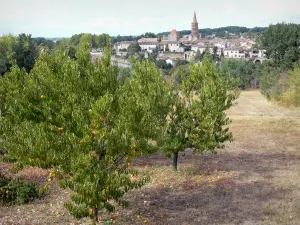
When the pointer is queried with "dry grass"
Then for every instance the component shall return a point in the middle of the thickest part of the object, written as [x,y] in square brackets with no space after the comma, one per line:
[254,180]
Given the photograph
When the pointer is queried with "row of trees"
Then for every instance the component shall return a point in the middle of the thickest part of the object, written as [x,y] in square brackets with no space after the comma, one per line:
[95,41]
[222,31]
[21,49]
[87,123]
[280,75]
[120,38]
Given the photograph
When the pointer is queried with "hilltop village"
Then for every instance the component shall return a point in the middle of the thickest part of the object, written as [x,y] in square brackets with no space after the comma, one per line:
[174,47]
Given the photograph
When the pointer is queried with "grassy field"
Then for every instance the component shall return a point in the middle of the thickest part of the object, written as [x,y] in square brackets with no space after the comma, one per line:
[254,180]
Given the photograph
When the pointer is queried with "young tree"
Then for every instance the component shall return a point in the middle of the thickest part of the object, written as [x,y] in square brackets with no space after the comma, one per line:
[198,119]
[78,118]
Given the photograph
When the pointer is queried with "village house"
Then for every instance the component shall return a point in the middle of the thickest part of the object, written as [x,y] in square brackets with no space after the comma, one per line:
[121,47]
[173,36]
[234,53]
[148,46]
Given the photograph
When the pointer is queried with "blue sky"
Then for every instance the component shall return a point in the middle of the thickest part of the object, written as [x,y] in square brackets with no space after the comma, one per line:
[62,18]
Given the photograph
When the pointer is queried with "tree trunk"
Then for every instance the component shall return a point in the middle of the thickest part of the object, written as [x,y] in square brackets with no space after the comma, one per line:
[175,160]
[96,216]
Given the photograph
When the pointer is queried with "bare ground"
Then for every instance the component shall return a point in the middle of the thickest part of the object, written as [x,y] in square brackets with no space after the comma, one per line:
[254,180]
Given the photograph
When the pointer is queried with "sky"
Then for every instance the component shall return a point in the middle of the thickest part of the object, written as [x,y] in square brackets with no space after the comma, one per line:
[63,18]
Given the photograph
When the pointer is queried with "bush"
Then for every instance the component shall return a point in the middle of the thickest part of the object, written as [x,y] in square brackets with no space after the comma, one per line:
[15,191]
[292,93]
[281,86]
[267,81]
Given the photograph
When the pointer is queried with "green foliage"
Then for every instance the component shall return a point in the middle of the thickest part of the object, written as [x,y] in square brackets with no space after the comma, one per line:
[95,41]
[26,52]
[162,64]
[221,31]
[148,35]
[198,119]
[43,42]
[215,55]
[245,72]
[292,94]
[81,119]
[124,38]
[178,73]
[198,56]
[8,45]
[268,79]
[15,191]
[133,49]
[180,63]
[280,85]
[282,44]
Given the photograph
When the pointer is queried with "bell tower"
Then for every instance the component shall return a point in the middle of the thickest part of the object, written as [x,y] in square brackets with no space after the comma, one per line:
[195,31]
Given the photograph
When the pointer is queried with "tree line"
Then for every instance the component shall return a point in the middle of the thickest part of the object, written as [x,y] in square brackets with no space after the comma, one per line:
[280,75]
[221,31]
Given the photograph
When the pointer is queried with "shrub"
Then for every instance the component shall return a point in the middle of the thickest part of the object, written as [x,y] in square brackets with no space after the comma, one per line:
[292,93]
[16,191]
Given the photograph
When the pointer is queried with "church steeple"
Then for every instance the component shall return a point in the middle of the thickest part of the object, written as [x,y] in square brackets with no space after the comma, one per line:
[195,31]
[195,17]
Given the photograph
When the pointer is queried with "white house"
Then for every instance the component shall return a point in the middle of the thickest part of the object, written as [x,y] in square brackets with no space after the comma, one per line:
[257,54]
[148,46]
[121,47]
[173,46]
[202,48]
[231,53]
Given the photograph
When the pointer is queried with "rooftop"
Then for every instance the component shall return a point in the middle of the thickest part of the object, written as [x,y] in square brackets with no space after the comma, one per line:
[173,32]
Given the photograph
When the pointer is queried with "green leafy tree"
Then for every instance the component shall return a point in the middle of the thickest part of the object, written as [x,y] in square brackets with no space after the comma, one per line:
[100,41]
[71,51]
[244,71]
[26,52]
[180,62]
[133,49]
[215,55]
[8,45]
[269,78]
[198,56]
[178,73]
[75,39]
[148,35]
[44,42]
[198,119]
[292,94]
[282,44]
[162,64]
[78,118]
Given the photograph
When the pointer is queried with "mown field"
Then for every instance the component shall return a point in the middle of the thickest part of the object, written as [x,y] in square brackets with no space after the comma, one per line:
[254,180]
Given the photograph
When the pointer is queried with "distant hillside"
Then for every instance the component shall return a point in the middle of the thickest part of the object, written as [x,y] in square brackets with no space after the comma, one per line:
[221,31]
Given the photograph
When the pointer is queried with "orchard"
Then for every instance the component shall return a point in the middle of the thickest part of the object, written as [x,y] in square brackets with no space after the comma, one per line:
[82,121]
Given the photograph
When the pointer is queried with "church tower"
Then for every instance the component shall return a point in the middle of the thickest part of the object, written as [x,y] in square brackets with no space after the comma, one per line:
[195,31]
